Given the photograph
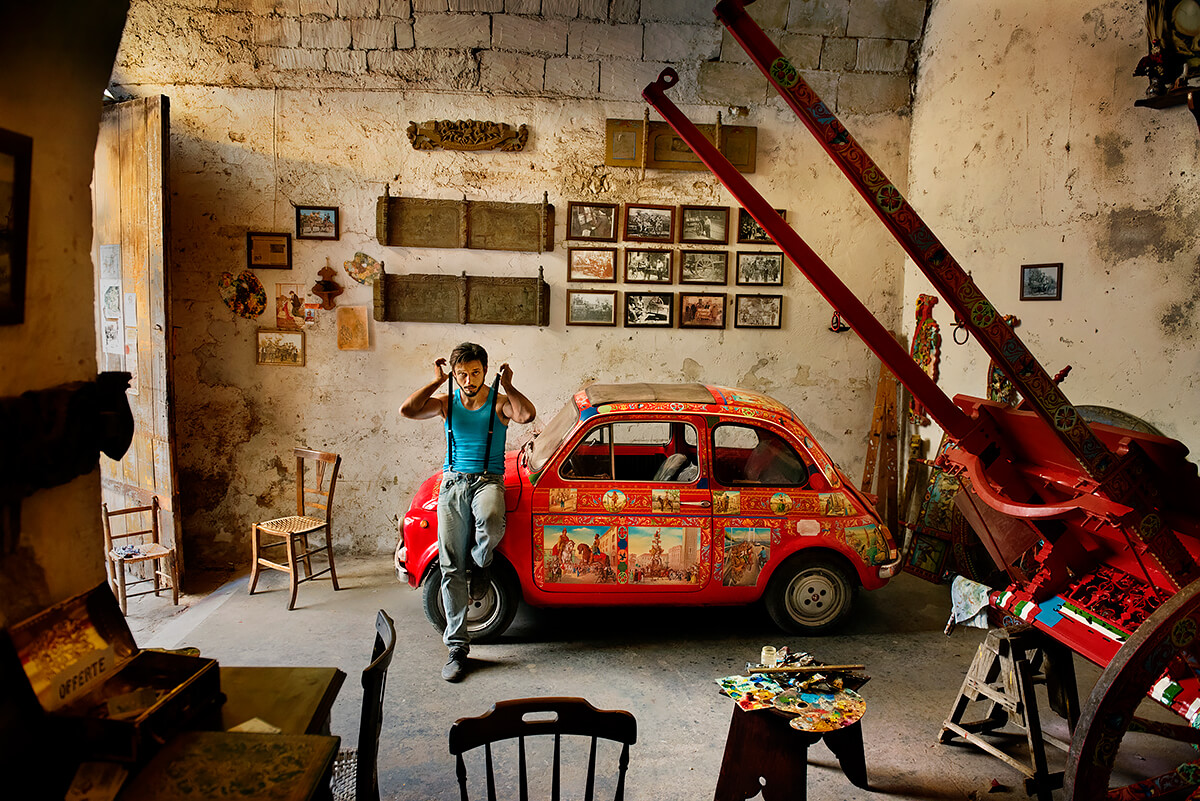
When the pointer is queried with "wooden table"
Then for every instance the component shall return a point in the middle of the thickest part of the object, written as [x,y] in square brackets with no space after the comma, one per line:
[296,700]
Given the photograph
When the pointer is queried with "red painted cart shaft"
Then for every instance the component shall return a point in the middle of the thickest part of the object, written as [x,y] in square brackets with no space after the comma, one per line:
[859,317]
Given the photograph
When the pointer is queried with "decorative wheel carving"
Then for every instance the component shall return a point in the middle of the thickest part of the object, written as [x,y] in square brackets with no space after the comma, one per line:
[784,73]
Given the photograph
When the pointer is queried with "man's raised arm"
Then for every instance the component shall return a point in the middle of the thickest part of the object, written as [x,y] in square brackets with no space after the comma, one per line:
[421,405]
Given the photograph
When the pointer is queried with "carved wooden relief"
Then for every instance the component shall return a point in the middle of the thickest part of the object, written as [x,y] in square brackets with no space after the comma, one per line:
[467,135]
[481,225]
[662,149]
[485,299]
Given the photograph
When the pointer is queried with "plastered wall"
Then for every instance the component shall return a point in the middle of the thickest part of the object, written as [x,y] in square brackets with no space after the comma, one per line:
[254,133]
[1026,148]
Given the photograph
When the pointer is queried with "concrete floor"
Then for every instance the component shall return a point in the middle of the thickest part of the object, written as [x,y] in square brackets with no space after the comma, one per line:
[657,663]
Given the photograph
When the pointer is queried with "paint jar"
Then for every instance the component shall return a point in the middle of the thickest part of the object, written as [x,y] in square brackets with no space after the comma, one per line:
[767,657]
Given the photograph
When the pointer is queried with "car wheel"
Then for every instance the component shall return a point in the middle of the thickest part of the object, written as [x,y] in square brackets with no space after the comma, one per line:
[809,594]
[487,617]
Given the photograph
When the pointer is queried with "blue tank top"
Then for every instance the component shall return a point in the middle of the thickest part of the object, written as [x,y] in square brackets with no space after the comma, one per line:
[466,437]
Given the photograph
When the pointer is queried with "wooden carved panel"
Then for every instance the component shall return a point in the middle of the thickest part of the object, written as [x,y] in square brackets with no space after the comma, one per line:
[482,299]
[479,225]
[662,149]
[467,135]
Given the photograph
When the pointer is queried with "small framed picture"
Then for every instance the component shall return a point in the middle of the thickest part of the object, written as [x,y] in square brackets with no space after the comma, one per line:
[591,307]
[704,267]
[591,264]
[352,330]
[760,269]
[649,309]
[592,221]
[16,171]
[289,306]
[317,222]
[647,266]
[275,346]
[749,232]
[757,311]
[645,223]
[268,251]
[704,225]
[702,310]
[1041,281]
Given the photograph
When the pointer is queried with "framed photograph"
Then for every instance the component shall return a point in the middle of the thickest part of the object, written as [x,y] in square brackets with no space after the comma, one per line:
[649,309]
[749,232]
[275,346]
[592,221]
[591,264]
[317,222]
[645,223]
[702,310]
[648,266]
[704,267]
[758,311]
[704,225]
[268,251]
[760,269]
[1041,281]
[289,306]
[16,161]
[591,307]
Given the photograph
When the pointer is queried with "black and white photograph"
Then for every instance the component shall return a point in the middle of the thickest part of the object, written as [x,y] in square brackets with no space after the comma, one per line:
[648,266]
[646,223]
[760,269]
[702,310]
[704,225]
[591,307]
[757,311]
[749,232]
[649,309]
[1041,281]
[704,267]
[592,221]
[591,264]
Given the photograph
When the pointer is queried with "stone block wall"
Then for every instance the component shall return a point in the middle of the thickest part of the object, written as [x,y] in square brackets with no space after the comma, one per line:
[860,51]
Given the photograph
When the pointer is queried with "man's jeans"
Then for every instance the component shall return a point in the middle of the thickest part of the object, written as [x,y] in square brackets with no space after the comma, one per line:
[470,525]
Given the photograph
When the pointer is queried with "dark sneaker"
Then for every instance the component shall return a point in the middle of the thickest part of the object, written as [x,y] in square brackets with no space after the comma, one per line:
[456,665]
[479,580]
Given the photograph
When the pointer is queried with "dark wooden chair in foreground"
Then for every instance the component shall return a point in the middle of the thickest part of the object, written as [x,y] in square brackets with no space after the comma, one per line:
[356,773]
[136,540]
[528,717]
[314,514]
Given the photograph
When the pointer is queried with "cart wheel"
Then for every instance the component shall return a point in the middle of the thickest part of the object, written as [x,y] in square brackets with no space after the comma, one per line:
[1128,745]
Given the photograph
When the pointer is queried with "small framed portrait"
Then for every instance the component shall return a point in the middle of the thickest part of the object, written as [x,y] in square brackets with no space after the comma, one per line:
[749,232]
[591,307]
[596,222]
[289,306]
[268,251]
[16,171]
[317,222]
[645,223]
[704,225]
[1041,281]
[702,310]
[591,264]
[758,311]
[649,310]
[275,346]
[704,267]
[648,266]
[759,269]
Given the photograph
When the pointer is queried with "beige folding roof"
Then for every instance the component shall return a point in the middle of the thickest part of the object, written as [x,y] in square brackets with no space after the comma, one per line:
[599,394]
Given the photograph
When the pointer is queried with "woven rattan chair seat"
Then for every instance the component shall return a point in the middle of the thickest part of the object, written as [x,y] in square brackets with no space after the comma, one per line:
[149,550]
[291,525]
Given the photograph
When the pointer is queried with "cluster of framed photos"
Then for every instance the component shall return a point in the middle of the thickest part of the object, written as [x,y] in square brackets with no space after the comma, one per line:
[659,309]
[272,251]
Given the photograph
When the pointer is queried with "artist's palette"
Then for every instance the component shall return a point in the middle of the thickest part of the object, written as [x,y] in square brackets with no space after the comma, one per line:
[363,268]
[244,294]
[819,712]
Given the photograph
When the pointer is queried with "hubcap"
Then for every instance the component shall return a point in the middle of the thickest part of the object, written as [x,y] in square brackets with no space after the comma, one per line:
[813,597]
[482,612]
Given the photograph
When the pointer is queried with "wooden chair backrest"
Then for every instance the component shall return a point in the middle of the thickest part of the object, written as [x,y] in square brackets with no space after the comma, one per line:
[315,492]
[374,678]
[110,536]
[507,720]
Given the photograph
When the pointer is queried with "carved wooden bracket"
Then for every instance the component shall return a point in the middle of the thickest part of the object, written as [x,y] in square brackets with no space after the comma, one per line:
[466,135]
[462,299]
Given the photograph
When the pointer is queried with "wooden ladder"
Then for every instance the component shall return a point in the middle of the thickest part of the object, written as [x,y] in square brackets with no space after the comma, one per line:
[882,453]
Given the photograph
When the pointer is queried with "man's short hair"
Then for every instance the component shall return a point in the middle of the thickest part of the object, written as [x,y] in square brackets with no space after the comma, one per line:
[468,352]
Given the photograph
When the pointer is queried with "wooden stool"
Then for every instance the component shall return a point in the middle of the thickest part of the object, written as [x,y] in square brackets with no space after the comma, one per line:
[1004,673]
[763,745]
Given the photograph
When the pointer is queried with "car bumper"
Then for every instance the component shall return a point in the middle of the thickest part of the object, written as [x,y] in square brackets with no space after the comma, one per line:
[889,569]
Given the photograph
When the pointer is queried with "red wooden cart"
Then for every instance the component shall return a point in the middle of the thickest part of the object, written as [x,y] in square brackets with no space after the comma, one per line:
[1097,527]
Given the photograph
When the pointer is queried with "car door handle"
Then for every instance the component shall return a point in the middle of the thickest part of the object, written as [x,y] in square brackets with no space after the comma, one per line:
[702,504]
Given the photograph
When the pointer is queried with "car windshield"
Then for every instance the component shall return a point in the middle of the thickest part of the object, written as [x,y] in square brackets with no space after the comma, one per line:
[546,443]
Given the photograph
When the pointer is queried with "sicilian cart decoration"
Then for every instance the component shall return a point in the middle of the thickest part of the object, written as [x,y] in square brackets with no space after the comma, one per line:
[1096,526]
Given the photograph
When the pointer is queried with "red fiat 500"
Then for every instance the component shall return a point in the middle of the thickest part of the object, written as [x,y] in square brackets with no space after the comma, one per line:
[668,494]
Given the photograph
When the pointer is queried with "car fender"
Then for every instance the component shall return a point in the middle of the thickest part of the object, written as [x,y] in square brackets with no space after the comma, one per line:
[848,559]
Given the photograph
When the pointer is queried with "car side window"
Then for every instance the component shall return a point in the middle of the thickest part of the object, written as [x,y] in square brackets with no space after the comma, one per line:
[636,450]
[745,455]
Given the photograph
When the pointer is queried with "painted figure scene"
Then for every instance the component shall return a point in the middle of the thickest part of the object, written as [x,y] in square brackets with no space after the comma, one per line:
[747,551]
[621,555]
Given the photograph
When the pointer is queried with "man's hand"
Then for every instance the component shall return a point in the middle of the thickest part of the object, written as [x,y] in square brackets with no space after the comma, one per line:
[440,367]
[506,375]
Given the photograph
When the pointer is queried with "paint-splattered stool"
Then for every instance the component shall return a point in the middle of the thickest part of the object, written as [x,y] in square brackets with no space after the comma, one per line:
[772,745]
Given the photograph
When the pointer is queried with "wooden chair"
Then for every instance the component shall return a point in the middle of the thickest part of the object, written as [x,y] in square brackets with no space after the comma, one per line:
[314,513]
[139,549]
[508,719]
[355,772]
